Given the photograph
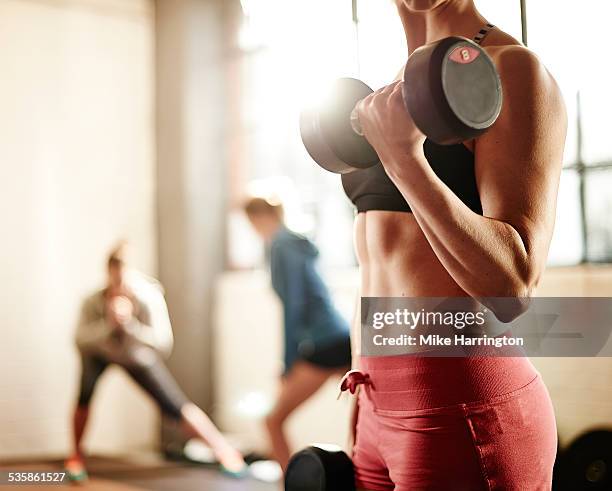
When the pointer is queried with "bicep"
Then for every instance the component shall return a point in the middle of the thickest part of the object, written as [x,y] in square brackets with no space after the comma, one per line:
[518,161]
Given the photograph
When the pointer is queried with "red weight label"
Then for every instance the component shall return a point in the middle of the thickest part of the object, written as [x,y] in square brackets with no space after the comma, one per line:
[464,54]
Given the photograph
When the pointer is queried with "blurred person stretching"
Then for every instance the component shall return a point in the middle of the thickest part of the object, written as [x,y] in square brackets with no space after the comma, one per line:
[317,338]
[127,324]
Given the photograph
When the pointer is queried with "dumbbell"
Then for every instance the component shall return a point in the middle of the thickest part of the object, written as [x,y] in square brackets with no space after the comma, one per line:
[451,90]
[587,462]
[320,468]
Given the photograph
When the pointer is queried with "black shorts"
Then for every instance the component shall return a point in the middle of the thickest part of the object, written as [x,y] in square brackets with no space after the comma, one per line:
[335,354]
[154,379]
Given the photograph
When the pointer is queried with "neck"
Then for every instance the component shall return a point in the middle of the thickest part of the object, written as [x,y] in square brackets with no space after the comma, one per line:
[273,230]
[450,18]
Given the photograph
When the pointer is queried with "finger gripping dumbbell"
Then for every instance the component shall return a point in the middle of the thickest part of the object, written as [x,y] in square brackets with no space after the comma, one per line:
[451,89]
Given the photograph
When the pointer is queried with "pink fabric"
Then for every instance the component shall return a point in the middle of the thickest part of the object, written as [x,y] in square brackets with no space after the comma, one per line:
[453,423]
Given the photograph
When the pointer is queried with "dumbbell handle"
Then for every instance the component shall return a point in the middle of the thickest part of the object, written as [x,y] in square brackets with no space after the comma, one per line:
[454,130]
[355,123]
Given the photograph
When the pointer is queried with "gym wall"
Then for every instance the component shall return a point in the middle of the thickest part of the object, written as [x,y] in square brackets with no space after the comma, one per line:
[77,162]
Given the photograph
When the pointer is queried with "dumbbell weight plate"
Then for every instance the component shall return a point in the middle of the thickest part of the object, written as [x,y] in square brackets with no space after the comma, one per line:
[587,463]
[452,90]
[327,133]
[320,469]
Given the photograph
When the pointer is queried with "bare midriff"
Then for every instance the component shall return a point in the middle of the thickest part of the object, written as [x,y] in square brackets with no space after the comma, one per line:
[395,260]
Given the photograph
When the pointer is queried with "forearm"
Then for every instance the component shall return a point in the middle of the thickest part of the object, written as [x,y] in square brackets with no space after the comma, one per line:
[151,324]
[486,257]
[142,332]
[148,335]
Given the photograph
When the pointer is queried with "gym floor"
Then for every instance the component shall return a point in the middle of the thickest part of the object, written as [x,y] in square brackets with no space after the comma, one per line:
[148,473]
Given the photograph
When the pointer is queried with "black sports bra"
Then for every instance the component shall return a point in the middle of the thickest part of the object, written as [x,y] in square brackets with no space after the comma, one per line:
[371,189]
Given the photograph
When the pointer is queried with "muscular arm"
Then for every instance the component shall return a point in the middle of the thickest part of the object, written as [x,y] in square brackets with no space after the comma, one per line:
[517,164]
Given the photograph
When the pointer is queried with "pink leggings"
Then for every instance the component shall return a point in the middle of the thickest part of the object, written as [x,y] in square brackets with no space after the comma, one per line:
[453,424]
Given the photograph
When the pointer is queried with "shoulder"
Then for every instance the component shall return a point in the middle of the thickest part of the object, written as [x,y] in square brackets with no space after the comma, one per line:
[525,78]
[148,294]
[291,244]
[518,63]
[94,297]
[143,285]
[286,238]
[93,301]
[533,112]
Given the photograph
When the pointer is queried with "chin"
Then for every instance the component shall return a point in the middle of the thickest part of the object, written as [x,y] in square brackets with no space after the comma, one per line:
[422,5]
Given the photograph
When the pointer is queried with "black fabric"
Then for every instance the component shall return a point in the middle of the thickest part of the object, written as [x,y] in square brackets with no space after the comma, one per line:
[371,189]
[154,378]
[335,354]
[91,369]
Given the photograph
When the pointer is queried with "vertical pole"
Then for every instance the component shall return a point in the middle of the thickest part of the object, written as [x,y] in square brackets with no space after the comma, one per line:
[581,169]
[524,21]
[355,14]
[191,193]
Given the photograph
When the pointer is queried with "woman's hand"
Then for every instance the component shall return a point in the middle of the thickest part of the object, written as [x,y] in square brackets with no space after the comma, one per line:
[388,127]
[120,310]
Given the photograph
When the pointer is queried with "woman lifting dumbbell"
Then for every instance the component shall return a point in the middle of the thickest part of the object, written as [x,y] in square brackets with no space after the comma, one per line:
[472,218]
[317,344]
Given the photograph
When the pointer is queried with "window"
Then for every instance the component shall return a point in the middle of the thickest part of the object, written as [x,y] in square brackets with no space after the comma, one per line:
[283,65]
[583,231]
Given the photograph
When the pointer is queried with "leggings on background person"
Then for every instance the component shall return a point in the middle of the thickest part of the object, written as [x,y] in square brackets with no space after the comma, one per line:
[153,377]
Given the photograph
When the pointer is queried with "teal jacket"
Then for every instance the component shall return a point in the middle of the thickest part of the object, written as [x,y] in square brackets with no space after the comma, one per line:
[310,319]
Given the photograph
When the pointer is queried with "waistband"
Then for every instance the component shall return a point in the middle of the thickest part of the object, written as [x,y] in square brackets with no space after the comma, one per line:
[415,382]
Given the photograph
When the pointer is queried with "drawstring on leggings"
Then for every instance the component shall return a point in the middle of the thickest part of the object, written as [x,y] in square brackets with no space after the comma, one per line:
[352,379]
